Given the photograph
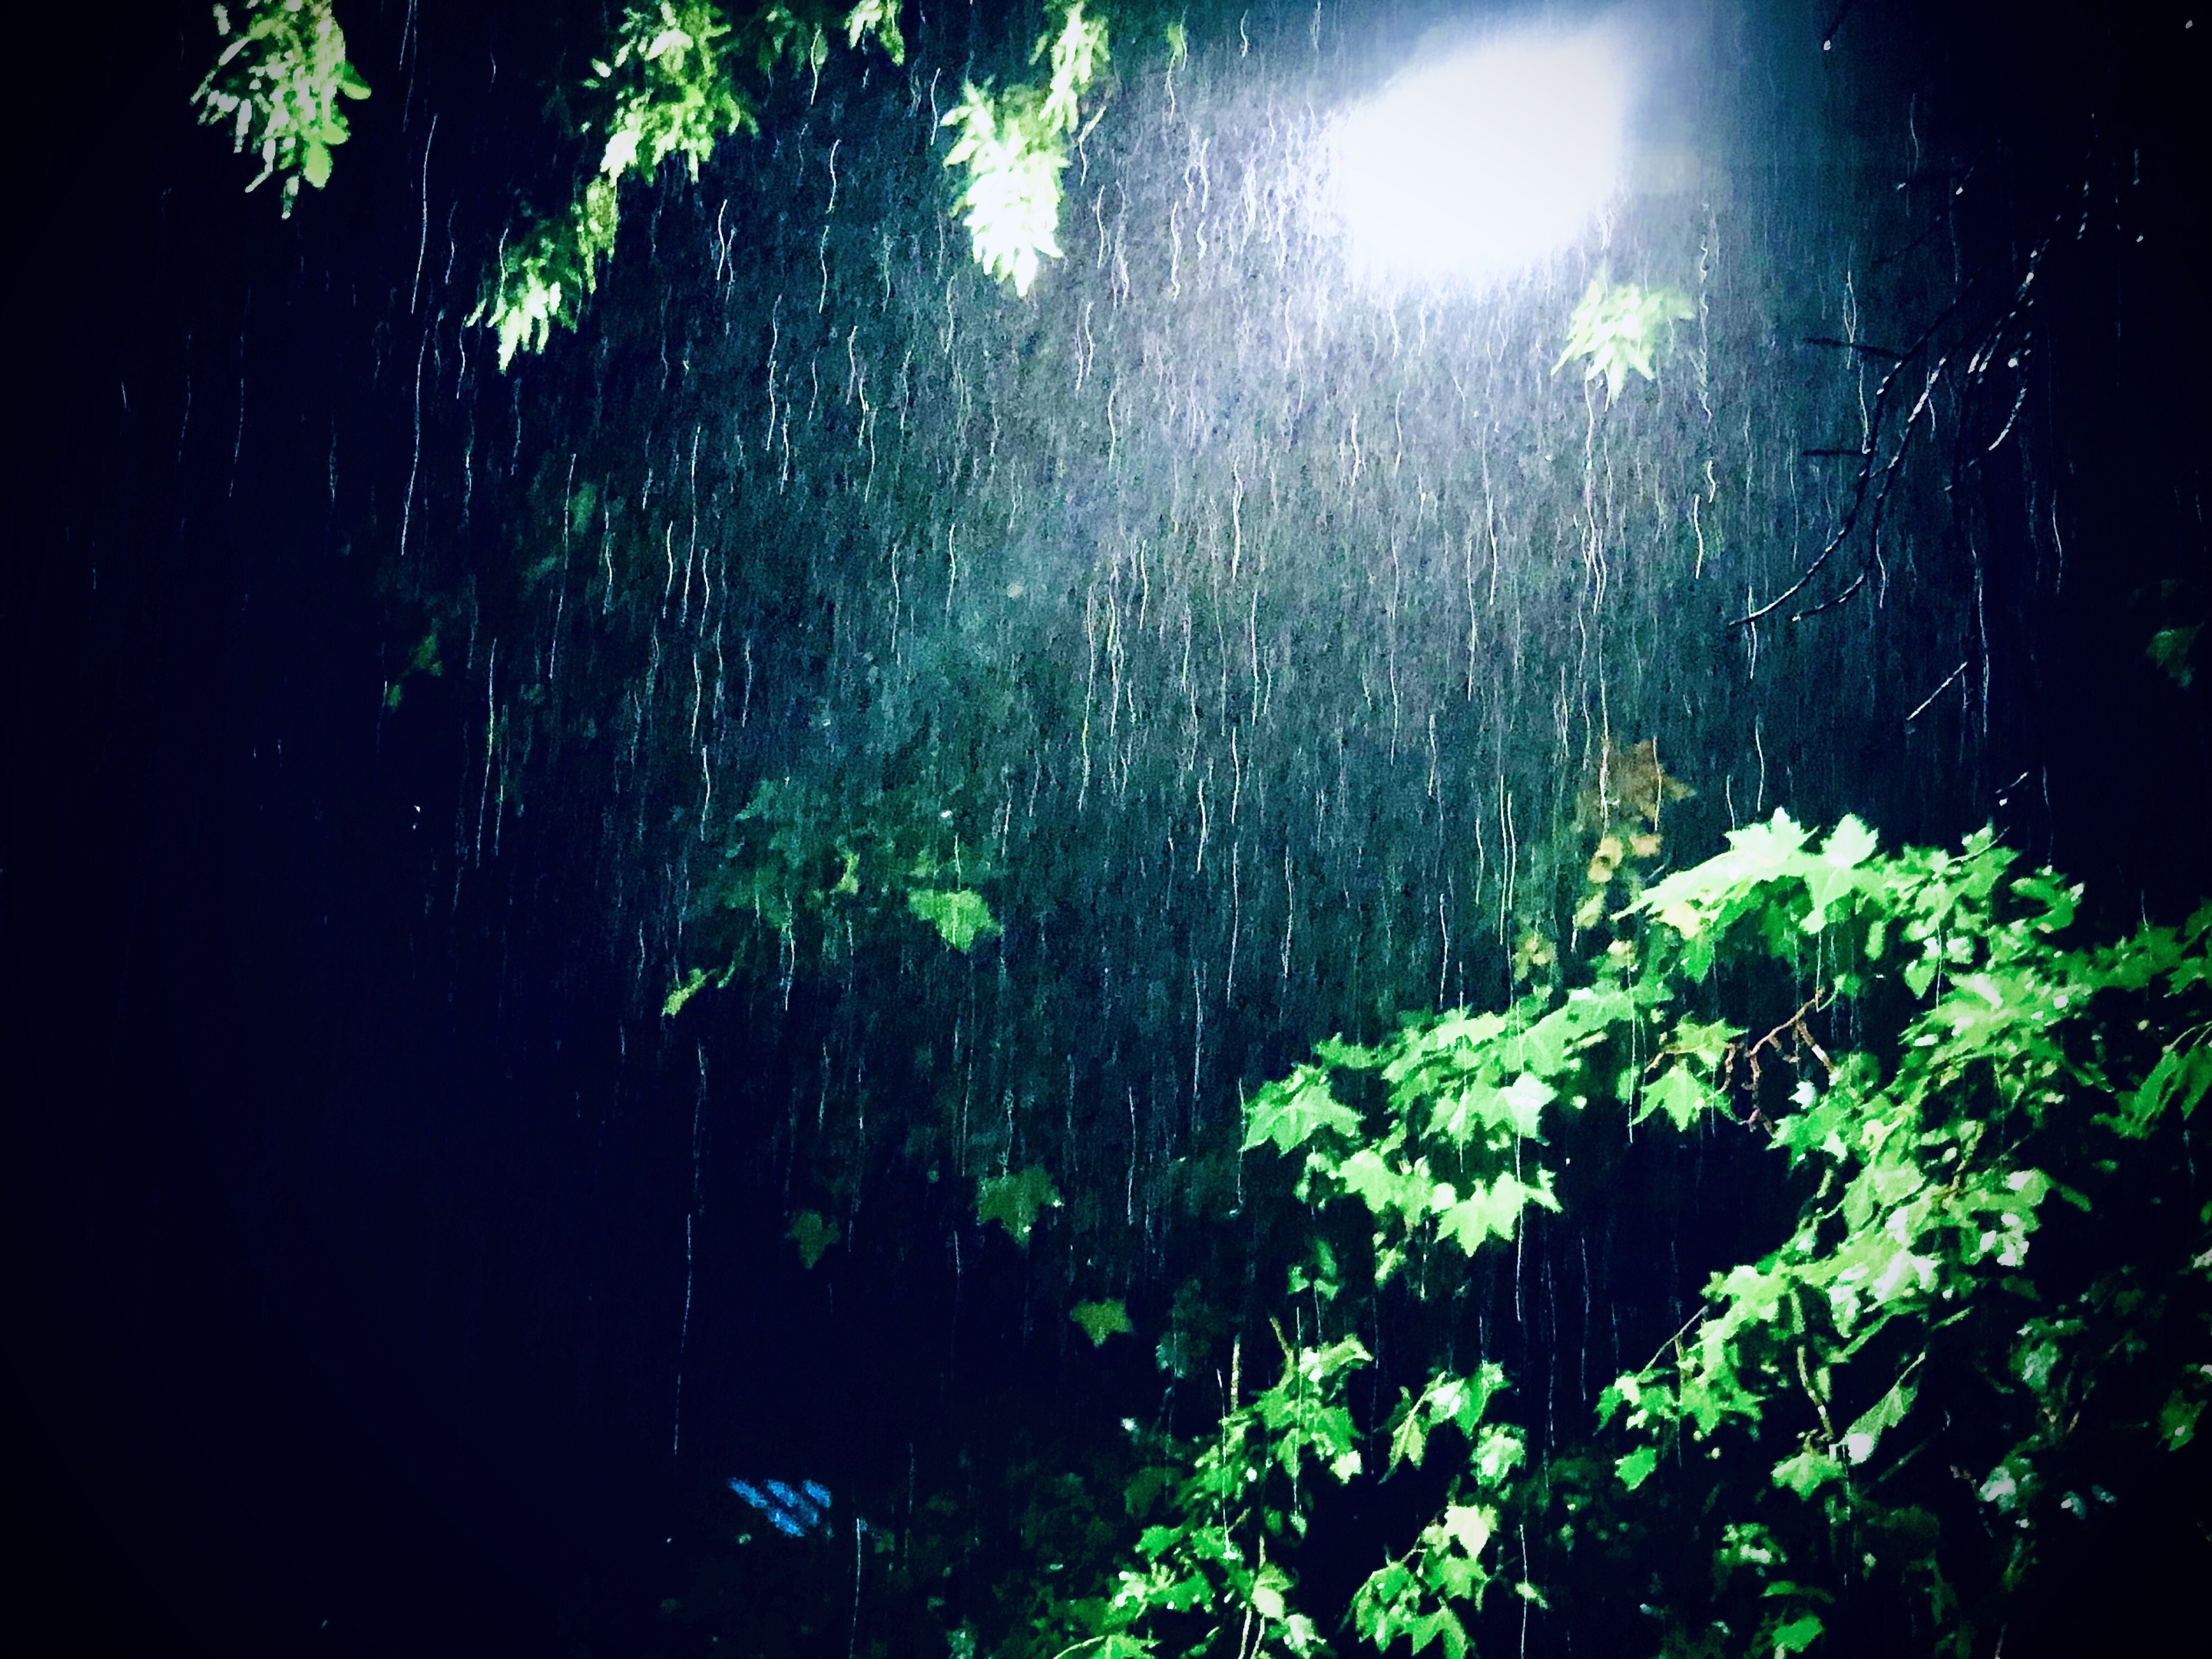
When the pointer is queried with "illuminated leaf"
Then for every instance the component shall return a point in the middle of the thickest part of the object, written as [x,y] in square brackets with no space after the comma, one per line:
[879,18]
[1289,1113]
[1798,1634]
[2177,1420]
[688,988]
[1493,1210]
[2174,651]
[960,916]
[1014,146]
[1679,1095]
[1807,1472]
[1013,1201]
[1524,1100]
[1860,1440]
[669,88]
[1618,328]
[1100,1320]
[275,86]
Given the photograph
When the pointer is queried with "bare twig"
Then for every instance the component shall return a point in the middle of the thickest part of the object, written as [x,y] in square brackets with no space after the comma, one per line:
[1803,1040]
[1883,394]
[1859,346]
[1936,693]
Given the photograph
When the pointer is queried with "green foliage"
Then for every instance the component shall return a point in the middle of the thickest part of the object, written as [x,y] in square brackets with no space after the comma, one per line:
[1779,1443]
[1618,327]
[1014,144]
[2176,648]
[277,84]
[670,88]
[425,659]
[687,988]
[680,77]
[807,876]
[1178,40]
[2174,651]
[813,1234]
[876,19]
[1593,867]
[1014,1201]
[1100,1320]
[1212,1512]
[546,269]
[960,915]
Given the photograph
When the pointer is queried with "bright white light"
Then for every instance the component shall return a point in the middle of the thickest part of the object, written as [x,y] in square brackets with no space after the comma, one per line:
[1477,166]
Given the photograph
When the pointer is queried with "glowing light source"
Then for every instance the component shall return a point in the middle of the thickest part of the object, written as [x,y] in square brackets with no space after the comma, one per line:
[1469,168]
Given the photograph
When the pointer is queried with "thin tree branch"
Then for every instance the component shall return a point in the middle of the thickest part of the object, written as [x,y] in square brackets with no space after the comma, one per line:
[1938,691]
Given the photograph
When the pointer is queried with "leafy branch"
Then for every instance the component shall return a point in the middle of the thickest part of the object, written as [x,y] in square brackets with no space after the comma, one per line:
[276,84]
[1618,328]
[799,870]
[1014,145]
[1998,1064]
[1203,1575]
[669,88]
[678,77]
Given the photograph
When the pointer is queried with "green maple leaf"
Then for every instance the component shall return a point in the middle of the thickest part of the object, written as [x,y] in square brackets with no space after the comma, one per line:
[1636,1469]
[1679,1095]
[961,915]
[1101,1320]
[1290,1111]
[1014,1200]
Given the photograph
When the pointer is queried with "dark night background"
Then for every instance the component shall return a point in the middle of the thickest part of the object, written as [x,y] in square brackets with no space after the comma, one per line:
[425,1409]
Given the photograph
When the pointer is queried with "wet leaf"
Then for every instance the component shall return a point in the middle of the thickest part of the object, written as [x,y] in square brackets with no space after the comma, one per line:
[1014,1201]
[813,1234]
[1100,1320]
[961,916]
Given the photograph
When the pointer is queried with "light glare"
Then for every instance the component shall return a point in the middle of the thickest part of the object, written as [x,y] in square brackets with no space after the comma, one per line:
[1482,164]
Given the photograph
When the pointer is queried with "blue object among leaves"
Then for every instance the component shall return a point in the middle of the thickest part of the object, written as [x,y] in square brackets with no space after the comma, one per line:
[795,1512]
